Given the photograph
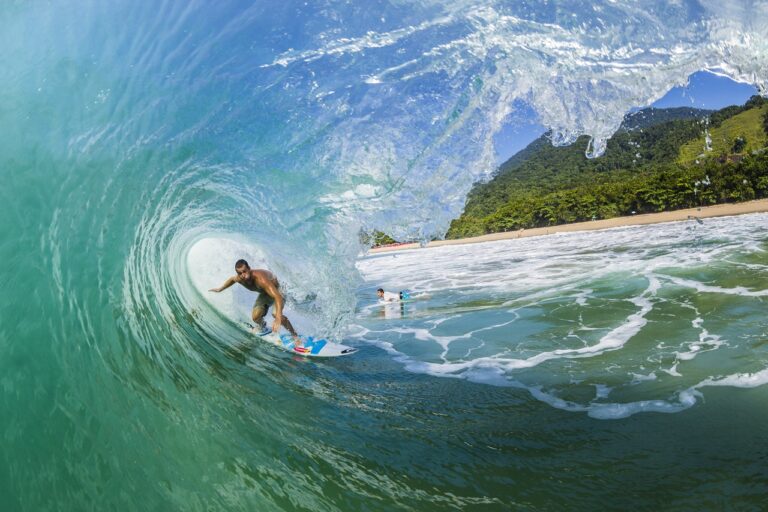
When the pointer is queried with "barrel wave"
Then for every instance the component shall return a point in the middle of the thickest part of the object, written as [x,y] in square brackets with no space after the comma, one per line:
[148,145]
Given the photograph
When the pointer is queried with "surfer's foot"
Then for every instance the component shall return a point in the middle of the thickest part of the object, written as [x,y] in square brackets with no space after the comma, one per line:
[260,329]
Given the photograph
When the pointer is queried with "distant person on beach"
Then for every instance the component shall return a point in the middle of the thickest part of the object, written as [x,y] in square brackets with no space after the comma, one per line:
[392,297]
[266,285]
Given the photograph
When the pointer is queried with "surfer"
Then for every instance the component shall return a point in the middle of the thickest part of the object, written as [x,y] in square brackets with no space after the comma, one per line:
[392,297]
[266,285]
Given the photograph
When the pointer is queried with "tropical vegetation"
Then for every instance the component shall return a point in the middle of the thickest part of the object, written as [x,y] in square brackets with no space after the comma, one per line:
[661,159]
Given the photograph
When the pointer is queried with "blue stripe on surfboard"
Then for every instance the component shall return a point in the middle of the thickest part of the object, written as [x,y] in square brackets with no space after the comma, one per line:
[310,346]
[313,345]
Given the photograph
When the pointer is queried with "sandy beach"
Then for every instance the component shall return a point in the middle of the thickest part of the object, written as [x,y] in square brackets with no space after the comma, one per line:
[720,210]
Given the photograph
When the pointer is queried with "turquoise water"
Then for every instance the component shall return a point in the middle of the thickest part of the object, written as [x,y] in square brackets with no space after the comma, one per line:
[145,147]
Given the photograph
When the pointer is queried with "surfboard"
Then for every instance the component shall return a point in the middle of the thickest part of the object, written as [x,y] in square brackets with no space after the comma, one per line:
[311,346]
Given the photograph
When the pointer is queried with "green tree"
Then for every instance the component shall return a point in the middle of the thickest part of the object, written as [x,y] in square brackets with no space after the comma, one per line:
[739,143]
[765,122]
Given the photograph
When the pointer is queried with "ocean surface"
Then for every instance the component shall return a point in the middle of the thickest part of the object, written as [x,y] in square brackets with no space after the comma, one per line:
[146,146]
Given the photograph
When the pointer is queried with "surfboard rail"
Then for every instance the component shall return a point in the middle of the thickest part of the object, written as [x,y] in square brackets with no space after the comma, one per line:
[311,346]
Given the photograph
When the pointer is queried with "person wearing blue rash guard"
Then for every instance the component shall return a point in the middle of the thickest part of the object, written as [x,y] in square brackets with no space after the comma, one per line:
[392,297]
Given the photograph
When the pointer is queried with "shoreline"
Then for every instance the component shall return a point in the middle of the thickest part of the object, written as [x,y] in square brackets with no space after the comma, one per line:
[718,210]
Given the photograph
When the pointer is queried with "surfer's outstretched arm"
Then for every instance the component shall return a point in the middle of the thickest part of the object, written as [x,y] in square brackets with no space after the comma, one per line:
[229,282]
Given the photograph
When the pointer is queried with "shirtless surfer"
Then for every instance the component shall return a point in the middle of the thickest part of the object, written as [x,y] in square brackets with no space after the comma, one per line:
[266,285]
[392,297]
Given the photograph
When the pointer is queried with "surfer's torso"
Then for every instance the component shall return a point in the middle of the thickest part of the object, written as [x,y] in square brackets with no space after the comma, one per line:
[257,280]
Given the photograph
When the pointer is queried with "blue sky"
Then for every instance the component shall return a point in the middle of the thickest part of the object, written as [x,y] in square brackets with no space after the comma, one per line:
[704,90]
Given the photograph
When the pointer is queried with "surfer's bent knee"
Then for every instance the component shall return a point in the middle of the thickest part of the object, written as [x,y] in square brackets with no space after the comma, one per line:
[258,312]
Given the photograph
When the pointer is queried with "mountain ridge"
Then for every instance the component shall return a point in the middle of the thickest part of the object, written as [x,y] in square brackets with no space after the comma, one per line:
[530,188]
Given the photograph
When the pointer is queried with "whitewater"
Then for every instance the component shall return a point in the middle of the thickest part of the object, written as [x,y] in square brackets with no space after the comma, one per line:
[147,146]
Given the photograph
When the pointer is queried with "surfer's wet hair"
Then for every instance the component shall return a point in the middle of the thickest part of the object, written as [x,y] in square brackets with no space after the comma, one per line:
[241,263]
[380,290]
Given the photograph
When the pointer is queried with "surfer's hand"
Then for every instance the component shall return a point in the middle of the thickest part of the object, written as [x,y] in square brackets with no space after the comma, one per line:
[276,324]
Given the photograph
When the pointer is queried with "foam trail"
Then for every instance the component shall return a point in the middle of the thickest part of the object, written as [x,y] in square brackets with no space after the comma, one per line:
[738,380]
[701,287]
[612,341]
[685,399]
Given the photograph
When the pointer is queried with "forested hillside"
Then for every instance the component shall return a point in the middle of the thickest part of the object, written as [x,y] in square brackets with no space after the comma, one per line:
[657,161]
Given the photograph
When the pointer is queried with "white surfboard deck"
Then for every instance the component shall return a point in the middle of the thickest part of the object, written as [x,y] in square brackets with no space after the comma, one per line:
[311,346]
